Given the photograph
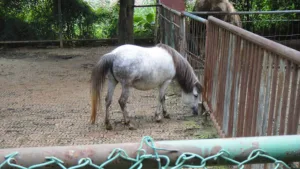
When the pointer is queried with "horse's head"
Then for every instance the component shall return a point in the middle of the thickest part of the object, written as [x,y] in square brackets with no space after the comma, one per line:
[191,99]
[187,79]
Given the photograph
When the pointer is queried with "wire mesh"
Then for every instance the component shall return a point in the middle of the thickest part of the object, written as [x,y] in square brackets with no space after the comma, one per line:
[170,28]
[195,42]
[282,27]
[149,154]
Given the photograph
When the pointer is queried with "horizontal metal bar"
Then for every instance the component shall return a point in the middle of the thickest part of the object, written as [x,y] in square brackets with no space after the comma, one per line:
[172,10]
[29,41]
[67,40]
[238,149]
[169,21]
[245,12]
[197,18]
[290,36]
[142,6]
[275,20]
[265,43]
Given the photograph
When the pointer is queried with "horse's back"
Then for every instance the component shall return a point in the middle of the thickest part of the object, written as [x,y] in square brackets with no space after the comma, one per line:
[129,50]
[145,66]
[131,53]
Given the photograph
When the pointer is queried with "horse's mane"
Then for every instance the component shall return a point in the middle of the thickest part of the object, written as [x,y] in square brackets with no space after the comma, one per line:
[184,72]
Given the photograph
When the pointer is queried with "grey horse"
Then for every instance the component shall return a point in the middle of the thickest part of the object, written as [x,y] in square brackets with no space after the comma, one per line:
[143,68]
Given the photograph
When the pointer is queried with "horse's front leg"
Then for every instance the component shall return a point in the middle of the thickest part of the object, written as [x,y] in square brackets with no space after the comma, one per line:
[123,104]
[161,108]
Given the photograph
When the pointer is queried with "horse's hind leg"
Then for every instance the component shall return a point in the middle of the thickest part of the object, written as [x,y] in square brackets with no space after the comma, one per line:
[162,99]
[108,99]
[123,101]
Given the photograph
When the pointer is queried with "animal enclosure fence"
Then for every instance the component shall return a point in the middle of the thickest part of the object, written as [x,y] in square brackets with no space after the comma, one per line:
[280,26]
[251,83]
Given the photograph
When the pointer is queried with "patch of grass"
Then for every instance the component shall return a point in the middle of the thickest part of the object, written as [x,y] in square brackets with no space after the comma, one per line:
[192,124]
[219,167]
[206,134]
[200,128]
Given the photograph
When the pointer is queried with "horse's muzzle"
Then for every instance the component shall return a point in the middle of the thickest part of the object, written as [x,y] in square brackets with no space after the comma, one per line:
[195,110]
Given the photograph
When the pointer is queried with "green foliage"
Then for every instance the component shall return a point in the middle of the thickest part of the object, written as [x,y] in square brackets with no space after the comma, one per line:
[38,20]
[78,18]
[269,24]
[189,5]
[144,21]
[26,20]
[108,22]
[16,29]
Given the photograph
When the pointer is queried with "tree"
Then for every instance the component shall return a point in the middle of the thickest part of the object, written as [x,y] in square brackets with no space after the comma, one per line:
[125,28]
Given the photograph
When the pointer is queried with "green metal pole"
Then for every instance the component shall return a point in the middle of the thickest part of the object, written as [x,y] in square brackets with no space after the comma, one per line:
[285,148]
[212,151]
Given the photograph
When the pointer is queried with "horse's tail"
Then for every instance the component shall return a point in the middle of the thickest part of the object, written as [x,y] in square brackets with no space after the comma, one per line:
[97,79]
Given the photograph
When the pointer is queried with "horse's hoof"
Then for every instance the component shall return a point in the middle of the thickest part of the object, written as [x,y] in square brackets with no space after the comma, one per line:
[132,128]
[195,114]
[167,116]
[158,119]
[108,126]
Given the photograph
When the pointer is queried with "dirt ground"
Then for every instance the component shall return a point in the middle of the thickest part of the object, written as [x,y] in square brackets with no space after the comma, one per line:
[45,101]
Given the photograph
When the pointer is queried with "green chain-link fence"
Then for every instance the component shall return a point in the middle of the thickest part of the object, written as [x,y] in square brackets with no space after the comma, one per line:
[163,161]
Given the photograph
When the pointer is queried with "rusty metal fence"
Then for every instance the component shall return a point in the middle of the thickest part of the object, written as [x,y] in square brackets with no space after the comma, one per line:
[251,83]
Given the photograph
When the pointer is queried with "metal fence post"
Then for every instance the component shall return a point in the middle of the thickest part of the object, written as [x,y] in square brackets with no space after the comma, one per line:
[161,25]
[60,24]
[172,40]
[157,32]
[182,36]
[166,40]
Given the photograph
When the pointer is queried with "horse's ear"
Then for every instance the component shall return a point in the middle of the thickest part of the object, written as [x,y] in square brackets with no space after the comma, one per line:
[198,86]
